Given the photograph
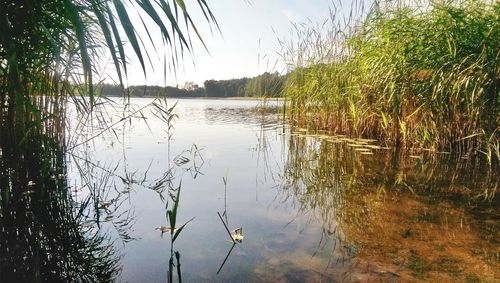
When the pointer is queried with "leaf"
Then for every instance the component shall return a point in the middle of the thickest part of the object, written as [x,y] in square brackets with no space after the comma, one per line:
[150,10]
[170,220]
[79,28]
[416,111]
[187,18]
[116,34]
[384,120]
[469,136]
[176,205]
[178,231]
[129,31]
[107,36]
[209,16]
[173,21]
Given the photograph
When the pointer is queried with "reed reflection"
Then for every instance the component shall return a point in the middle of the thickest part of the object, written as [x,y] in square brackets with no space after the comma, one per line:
[395,215]
[45,234]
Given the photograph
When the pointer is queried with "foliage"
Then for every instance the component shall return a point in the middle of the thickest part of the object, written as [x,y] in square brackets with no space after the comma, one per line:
[418,74]
[51,50]
[110,90]
[267,85]
[45,44]
[264,85]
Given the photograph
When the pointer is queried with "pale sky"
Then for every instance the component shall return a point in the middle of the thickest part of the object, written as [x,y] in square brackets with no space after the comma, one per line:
[248,44]
[247,47]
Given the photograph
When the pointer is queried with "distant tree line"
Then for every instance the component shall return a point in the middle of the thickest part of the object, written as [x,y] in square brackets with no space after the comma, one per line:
[267,84]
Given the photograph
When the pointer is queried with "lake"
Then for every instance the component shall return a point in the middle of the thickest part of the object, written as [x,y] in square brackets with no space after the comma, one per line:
[312,207]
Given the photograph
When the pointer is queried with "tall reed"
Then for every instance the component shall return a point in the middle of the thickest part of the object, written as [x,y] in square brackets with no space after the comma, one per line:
[50,51]
[420,74]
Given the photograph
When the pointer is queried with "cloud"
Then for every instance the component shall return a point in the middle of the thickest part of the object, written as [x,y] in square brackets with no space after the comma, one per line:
[290,15]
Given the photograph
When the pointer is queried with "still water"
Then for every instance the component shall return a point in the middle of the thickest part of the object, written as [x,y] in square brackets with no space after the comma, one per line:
[312,207]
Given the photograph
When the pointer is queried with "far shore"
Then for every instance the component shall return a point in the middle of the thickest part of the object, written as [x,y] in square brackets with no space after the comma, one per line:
[212,97]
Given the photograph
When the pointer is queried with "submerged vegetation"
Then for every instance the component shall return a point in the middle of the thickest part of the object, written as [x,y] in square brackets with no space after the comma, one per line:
[397,217]
[421,74]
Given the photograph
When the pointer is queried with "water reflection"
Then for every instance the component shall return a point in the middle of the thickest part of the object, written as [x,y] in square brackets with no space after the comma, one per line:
[65,209]
[45,234]
[398,216]
[227,256]
[312,207]
[110,176]
[244,113]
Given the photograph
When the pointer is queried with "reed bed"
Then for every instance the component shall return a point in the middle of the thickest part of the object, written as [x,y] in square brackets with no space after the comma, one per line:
[51,56]
[420,74]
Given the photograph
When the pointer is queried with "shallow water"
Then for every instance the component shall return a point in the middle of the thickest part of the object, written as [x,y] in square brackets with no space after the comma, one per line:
[312,207]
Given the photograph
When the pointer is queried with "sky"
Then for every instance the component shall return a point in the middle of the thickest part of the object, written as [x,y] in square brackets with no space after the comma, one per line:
[246,46]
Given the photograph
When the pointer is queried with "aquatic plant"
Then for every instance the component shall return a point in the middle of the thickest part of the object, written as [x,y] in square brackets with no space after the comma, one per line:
[46,233]
[50,54]
[174,234]
[50,51]
[421,74]
[51,42]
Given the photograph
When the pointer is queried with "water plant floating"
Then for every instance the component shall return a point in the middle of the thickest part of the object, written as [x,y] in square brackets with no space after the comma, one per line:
[165,229]
[237,235]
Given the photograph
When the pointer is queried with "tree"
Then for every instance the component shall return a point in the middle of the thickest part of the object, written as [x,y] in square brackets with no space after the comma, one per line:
[190,86]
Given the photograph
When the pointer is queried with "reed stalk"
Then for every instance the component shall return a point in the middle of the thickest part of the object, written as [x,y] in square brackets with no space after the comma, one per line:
[420,74]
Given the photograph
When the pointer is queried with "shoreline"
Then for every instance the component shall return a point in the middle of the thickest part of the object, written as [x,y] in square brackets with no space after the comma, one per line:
[209,97]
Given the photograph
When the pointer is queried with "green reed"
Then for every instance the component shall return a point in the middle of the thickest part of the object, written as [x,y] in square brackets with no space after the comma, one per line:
[174,234]
[56,48]
[51,53]
[421,74]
